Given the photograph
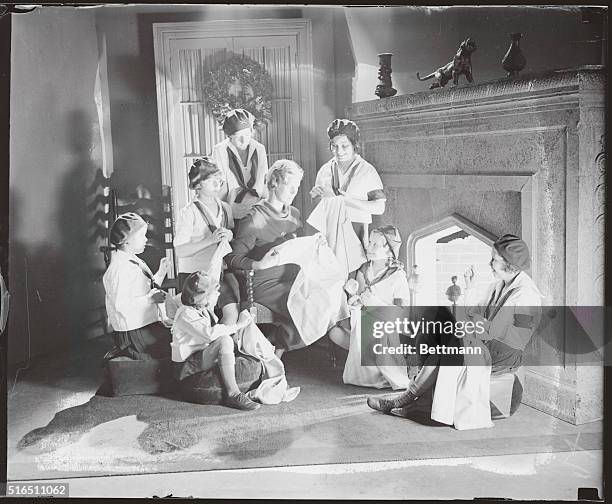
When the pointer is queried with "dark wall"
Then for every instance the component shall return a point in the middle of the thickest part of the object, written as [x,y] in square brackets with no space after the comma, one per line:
[54,158]
[423,39]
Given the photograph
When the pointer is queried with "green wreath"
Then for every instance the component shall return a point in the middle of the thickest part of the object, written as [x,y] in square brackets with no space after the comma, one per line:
[239,82]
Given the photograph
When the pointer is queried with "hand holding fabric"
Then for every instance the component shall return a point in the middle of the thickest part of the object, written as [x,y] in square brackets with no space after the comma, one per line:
[244,319]
[157,296]
[240,210]
[221,234]
[321,192]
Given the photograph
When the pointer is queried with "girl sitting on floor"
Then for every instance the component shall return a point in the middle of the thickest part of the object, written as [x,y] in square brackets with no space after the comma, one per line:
[199,342]
[381,281]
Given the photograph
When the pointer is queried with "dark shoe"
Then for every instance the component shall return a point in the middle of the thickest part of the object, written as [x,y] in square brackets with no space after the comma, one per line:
[405,399]
[386,405]
[406,411]
[114,352]
[242,402]
[111,354]
[381,404]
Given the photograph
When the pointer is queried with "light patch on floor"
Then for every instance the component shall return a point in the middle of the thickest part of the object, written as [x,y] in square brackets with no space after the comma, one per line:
[112,445]
[73,399]
[99,448]
[519,466]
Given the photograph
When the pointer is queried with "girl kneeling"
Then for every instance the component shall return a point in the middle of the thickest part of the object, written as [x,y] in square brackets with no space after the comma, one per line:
[199,342]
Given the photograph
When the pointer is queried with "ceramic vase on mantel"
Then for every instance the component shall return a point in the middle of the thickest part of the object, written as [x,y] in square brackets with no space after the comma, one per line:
[514,60]
[384,89]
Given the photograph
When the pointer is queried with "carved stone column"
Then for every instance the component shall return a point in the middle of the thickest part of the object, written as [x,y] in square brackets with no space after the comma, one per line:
[590,239]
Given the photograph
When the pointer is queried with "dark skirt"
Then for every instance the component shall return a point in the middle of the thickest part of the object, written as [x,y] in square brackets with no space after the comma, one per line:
[146,343]
[271,288]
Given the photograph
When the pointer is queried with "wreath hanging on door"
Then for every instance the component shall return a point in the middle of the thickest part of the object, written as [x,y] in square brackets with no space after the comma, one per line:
[239,82]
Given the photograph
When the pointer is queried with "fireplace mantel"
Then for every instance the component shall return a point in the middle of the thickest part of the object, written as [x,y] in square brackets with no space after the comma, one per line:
[521,156]
[526,87]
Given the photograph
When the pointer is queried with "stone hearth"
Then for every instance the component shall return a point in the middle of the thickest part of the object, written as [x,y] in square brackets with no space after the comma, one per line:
[509,156]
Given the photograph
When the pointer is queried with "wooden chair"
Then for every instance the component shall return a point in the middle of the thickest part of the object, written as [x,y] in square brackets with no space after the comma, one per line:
[163,225]
[263,315]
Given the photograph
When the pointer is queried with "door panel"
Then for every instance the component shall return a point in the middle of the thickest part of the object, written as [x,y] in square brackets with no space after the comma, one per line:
[185,51]
[196,131]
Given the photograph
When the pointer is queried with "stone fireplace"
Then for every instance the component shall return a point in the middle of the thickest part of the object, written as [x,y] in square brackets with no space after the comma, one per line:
[510,156]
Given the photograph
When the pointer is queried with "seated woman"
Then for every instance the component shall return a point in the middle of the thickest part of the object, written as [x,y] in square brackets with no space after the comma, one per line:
[204,225]
[505,322]
[199,343]
[381,281]
[270,223]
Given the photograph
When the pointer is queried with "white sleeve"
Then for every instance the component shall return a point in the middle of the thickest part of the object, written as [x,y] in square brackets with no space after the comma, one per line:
[196,329]
[321,175]
[262,160]
[374,182]
[400,287]
[216,154]
[184,227]
[193,328]
[120,287]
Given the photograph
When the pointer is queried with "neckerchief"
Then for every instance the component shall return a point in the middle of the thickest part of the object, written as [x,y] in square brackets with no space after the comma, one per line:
[236,168]
[336,176]
[211,315]
[154,284]
[388,272]
[207,221]
[497,304]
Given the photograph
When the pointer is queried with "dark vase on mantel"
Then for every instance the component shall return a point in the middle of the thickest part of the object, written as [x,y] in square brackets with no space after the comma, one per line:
[385,86]
[514,60]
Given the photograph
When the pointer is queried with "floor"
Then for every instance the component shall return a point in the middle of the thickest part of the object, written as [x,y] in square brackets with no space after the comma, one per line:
[64,381]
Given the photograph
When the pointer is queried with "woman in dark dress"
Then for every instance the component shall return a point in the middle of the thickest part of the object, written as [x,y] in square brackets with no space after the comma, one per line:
[271,222]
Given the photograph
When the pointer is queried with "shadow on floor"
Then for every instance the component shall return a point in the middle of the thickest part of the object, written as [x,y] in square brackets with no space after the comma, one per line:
[328,422]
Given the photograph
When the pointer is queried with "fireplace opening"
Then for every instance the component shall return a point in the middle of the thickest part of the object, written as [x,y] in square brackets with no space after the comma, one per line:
[443,251]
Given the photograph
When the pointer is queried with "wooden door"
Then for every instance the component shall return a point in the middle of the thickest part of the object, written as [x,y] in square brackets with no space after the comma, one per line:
[185,51]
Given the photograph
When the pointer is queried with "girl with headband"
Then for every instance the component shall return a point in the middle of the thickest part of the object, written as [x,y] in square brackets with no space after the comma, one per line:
[200,342]
[243,161]
[348,175]
[203,224]
[381,281]
[133,293]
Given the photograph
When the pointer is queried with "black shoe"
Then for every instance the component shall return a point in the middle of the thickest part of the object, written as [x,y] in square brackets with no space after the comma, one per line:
[114,352]
[381,404]
[241,401]
[406,411]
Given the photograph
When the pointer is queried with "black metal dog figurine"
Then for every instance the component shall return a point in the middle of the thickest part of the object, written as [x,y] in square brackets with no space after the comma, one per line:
[461,64]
